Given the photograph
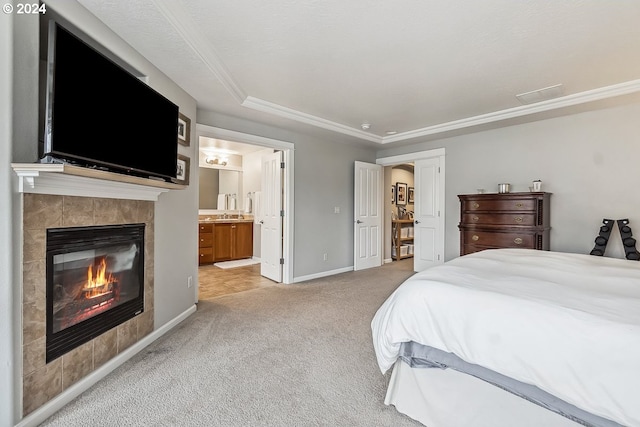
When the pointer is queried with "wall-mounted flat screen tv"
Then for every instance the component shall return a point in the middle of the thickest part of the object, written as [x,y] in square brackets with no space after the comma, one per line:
[97,114]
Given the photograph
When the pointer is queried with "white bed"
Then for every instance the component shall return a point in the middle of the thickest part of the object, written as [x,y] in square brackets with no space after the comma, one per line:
[568,324]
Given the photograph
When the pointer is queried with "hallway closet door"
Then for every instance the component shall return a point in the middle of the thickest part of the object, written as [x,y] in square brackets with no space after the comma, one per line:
[272,213]
[428,214]
[368,216]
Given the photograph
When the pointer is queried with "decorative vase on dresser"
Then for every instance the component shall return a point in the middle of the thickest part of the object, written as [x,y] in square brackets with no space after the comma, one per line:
[504,220]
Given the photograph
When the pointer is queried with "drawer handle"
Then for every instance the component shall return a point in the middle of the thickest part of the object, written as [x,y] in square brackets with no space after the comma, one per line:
[518,205]
[476,205]
[518,219]
[475,218]
[517,241]
[201,254]
[475,237]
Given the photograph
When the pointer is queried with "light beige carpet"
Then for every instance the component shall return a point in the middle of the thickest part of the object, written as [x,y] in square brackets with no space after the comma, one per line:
[285,355]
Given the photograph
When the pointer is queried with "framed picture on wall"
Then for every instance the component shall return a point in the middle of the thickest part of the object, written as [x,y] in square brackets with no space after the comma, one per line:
[401,193]
[184,130]
[393,194]
[182,170]
[410,196]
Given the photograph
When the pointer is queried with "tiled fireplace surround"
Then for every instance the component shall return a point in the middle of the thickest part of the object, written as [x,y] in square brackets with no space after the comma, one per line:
[43,381]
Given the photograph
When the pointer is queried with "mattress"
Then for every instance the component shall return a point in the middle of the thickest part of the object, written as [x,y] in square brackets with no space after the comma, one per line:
[567,323]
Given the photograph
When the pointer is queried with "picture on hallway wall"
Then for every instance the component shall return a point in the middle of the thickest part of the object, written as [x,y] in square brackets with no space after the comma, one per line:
[410,196]
[401,193]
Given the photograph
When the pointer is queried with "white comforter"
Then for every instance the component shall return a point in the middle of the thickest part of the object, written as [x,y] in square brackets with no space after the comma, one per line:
[567,323]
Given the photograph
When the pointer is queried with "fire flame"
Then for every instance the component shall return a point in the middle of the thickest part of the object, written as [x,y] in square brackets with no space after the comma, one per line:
[98,284]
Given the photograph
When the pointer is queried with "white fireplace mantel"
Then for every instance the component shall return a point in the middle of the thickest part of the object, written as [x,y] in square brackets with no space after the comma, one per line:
[68,180]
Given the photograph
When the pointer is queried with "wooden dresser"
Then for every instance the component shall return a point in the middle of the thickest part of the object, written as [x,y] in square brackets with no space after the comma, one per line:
[509,220]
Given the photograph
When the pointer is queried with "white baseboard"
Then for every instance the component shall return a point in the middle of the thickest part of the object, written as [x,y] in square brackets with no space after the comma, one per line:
[54,405]
[388,260]
[322,274]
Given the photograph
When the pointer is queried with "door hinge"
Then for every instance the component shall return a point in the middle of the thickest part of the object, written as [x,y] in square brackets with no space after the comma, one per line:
[281,165]
[438,213]
[282,213]
[281,261]
[438,257]
[438,169]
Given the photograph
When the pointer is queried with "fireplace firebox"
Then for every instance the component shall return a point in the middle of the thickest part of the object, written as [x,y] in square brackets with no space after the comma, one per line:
[95,281]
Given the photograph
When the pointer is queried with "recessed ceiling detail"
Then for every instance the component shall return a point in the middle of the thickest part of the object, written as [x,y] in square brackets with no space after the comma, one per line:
[328,64]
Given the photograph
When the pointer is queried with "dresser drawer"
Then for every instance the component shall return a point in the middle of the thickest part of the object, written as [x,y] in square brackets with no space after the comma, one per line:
[525,219]
[499,240]
[205,239]
[499,205]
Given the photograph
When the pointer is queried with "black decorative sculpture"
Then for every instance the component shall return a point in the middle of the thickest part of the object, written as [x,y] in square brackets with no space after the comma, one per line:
[603,237]
[628,241]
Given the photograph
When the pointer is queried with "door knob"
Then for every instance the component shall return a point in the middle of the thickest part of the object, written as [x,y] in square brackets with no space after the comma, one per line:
[261,222]
[416,222]
[358,221]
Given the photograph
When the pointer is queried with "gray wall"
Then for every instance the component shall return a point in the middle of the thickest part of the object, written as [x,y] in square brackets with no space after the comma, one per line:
[323,180]
[589,161]
[7,296]
[175,212]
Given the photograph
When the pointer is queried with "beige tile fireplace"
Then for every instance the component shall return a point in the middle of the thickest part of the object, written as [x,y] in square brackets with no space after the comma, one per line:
[55,196]
[43,381]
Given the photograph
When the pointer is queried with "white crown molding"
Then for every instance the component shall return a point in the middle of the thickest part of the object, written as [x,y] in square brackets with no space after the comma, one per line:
[299,116]
[203,49]
[186,28]
[66,180]
[552,104]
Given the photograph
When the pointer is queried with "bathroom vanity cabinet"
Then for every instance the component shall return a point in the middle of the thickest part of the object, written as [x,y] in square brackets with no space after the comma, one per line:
[225,241]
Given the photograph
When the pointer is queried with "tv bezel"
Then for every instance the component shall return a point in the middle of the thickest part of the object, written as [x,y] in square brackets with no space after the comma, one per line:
[50,154]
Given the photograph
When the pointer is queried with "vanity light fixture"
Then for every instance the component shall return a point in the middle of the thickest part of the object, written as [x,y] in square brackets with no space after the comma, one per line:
[215,160]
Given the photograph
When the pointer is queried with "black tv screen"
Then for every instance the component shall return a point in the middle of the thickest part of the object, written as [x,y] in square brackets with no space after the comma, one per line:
[100,115]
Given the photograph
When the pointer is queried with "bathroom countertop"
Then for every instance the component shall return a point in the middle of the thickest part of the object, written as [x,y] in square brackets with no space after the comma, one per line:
[219,220]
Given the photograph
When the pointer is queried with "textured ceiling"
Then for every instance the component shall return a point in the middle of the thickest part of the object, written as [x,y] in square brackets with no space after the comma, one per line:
[420,68]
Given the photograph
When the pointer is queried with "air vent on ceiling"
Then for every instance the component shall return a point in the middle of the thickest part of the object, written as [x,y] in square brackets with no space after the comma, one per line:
[539,95]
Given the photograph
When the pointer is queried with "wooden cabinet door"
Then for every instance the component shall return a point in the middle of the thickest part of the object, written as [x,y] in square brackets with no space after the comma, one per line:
[222,248]
[243,240]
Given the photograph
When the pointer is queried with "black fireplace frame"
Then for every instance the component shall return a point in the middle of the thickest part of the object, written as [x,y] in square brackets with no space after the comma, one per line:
[72,239]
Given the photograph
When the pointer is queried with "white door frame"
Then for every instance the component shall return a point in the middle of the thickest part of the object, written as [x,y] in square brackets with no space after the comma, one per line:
[421,155]
[288,150]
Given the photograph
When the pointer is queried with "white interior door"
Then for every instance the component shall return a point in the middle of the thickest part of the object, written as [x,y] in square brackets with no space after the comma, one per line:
[428,213]
[271,217]
[368,216]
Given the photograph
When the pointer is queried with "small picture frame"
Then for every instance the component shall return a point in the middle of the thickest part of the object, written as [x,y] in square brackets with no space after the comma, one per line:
[182,170]
[184,130]
[393,194]
[401,194]
[410,199]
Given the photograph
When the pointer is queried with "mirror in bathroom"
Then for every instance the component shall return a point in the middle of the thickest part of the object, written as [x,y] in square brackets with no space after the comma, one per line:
[218,181]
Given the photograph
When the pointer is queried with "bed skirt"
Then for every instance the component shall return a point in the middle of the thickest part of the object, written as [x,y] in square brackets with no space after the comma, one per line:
[448,398]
